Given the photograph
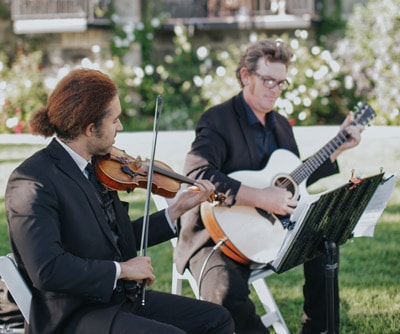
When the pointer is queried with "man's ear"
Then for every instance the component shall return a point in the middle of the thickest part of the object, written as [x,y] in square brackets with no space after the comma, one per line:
[244,75]
[90,130]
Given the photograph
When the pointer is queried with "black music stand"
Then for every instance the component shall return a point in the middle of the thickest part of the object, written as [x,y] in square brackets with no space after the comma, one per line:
[325,222]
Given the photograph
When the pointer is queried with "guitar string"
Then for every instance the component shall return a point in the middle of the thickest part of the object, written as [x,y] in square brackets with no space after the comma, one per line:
[308,167]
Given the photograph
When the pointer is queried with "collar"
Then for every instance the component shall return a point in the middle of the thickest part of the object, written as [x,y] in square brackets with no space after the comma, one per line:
[80,161]
[252,119]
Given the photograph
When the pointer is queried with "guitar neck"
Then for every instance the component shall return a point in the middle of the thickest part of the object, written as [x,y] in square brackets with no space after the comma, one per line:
[302,172]
[362,117]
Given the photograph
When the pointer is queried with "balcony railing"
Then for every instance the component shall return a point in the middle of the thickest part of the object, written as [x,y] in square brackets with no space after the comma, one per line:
[32,16]
[224,8]
[35,16]
[211,14]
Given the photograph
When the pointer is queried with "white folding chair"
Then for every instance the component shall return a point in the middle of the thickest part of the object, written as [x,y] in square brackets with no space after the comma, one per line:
[177,278]
[15,283]
[272,316]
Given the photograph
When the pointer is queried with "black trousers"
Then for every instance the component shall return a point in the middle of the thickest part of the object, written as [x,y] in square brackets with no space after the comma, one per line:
[162,313]
[225,282]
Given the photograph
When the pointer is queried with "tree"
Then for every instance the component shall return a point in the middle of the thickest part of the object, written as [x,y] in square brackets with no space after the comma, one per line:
[370,55]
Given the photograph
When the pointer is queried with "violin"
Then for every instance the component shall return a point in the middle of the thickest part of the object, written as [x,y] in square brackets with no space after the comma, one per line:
[119,171]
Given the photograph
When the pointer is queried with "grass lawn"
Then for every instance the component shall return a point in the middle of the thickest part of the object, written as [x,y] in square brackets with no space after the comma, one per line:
[369,269]
[369,281]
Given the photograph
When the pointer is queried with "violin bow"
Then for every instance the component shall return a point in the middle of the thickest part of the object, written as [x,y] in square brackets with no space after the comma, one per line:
[145,229]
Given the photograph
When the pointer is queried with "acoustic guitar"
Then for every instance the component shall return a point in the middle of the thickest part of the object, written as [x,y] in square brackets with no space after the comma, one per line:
[251,235]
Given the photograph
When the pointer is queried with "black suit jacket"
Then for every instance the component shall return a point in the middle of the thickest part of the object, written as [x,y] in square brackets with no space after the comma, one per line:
[223,145]
[63,244]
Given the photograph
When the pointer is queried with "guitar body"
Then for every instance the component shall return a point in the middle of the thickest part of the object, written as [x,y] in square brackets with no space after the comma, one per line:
[250,236]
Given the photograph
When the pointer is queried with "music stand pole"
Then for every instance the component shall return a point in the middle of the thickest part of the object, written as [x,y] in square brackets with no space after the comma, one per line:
[331,266]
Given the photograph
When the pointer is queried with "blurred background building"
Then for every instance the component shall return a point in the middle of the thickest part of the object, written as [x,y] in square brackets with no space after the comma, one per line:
[69,28]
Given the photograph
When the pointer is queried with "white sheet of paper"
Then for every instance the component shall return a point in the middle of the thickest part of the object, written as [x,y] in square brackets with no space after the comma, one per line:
[368,220]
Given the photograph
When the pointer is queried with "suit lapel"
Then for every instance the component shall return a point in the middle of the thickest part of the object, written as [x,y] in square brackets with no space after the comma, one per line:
[65,163]
[283,135]
[246,129]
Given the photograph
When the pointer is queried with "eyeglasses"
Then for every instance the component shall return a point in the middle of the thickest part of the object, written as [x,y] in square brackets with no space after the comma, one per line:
[271,83]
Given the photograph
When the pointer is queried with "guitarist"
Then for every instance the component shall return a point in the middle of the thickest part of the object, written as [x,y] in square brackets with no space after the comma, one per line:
[241,134]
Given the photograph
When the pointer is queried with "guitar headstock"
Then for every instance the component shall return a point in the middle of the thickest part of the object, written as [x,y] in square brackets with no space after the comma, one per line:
[363,114]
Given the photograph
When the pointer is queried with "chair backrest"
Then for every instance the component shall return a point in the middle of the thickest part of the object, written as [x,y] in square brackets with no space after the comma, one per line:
[15,283]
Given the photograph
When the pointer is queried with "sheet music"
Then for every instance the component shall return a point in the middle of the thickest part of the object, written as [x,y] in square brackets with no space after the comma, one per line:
[298,216]
[333,215]
[366,225]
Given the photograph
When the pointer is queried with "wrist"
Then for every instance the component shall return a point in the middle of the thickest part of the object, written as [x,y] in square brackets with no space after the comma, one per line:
[122,273]
[174,212]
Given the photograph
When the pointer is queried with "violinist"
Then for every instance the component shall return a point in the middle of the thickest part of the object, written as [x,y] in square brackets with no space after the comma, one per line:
[72,237]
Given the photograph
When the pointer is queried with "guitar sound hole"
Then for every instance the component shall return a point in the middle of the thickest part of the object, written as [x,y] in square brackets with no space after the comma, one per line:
[284,182]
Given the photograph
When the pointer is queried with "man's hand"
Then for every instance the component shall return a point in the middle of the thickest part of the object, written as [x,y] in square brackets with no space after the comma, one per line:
[354,139]
[190,197]
[138,269]
[271,199]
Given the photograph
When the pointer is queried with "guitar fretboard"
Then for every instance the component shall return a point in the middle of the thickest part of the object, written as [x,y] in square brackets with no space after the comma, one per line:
[311,165]
[302,172]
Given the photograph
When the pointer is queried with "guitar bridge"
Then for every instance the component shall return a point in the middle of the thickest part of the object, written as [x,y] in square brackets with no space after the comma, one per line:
[286,222]
[290,225]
